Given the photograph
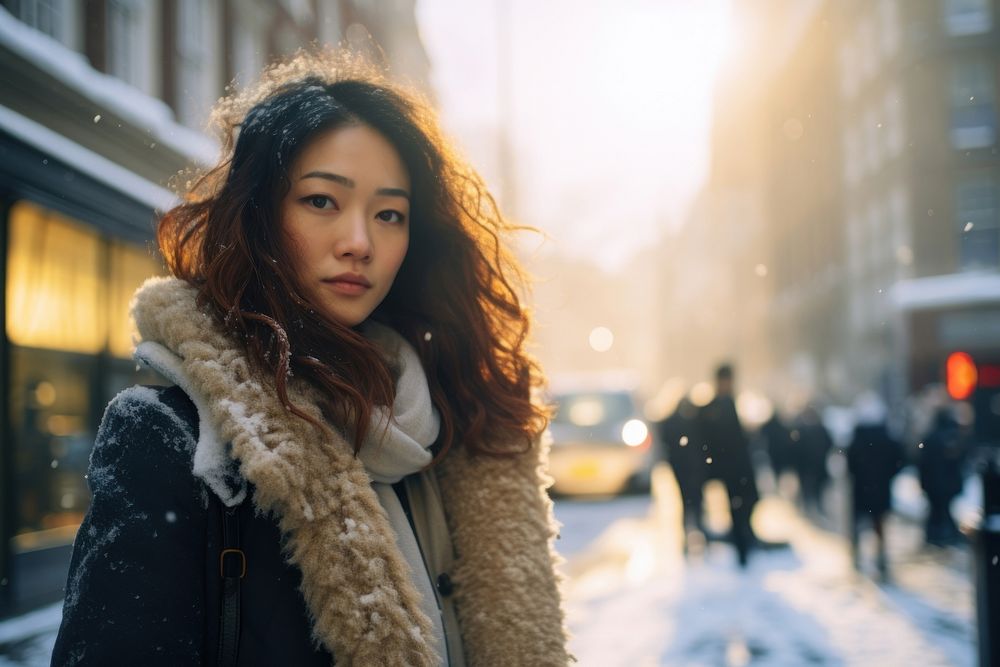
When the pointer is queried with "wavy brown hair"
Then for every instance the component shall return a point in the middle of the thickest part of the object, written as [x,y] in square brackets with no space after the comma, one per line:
[455,298]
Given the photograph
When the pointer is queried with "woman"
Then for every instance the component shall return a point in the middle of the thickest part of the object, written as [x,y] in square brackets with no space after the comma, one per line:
[348,468]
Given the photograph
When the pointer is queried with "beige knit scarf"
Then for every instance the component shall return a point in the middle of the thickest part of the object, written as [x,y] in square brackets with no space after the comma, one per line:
[397,444]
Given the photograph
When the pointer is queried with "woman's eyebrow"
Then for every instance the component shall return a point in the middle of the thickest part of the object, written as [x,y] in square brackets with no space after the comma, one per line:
[347,182]
[336,178]
[393,192]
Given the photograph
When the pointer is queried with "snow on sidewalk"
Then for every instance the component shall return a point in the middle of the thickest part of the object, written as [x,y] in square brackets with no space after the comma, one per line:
[641,604]
[28,640]
[634,601]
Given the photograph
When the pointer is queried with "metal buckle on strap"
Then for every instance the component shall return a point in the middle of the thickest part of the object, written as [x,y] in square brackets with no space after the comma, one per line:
[222,562]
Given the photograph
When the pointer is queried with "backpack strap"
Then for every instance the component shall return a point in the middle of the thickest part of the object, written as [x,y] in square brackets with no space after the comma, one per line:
[232,568]
[232,561]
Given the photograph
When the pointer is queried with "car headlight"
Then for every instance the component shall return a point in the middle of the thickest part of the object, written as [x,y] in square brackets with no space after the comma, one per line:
[634,432]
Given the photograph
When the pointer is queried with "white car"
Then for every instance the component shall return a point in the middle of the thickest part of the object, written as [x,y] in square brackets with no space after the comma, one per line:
[600,444]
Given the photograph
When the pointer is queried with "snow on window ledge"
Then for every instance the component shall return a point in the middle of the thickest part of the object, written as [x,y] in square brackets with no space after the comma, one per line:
[107,92]
[85,160]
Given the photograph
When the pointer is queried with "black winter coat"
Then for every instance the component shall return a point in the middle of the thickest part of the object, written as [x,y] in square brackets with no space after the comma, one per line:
[781,449]
[814,445]
[725,443]
[873,459]
[679,437]
[144,585]
[940,462]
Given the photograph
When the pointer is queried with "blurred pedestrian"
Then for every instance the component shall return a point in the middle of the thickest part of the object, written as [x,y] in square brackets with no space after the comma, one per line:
[726,452]
[781,450]
[678,435]
[813,445]
[873,459]
[348,467]
[940,460]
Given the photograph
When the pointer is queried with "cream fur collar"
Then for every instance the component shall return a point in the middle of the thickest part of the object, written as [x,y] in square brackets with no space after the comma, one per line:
[363,605]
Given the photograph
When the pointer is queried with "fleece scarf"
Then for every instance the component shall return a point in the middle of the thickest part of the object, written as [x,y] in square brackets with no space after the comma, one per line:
[356,584]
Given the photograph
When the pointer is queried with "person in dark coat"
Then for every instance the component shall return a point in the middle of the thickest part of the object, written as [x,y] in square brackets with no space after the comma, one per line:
[873,459]
[678,435]
[726,449]
[940,461]
[813,443]
[779,444]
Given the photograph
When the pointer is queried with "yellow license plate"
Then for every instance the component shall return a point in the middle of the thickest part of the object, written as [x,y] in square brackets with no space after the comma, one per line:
[585,469]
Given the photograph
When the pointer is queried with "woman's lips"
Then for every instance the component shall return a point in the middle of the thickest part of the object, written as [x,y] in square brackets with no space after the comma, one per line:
[348,285]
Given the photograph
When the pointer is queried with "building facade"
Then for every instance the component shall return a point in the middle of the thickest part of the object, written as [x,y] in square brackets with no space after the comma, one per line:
[872,194]
[103,103]
[918,94]
[719,271]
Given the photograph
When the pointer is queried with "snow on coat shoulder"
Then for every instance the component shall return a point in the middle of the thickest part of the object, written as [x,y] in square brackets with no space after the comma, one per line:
[146,508]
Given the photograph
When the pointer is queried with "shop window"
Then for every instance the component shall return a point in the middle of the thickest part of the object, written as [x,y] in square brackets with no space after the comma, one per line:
[53,282]
[53,425]
[977,210]
[129,267]
[68,290]
[967,17]
[973,106]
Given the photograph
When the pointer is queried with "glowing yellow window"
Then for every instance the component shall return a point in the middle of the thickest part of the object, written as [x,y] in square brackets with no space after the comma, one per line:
[67,287]
[130,267]
[54,289]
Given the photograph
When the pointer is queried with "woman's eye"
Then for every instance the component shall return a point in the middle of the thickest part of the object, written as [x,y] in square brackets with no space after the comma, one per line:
[391,216]
[321,202]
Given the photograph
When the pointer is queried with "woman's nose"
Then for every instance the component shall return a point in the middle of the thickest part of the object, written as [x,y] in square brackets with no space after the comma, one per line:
[355,240]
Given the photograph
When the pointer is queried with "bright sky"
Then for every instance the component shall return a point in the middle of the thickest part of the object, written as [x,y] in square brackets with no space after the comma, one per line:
[609,112]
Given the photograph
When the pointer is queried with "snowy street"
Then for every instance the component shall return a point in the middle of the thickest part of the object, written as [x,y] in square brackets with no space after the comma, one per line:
[635,601]
[598,252]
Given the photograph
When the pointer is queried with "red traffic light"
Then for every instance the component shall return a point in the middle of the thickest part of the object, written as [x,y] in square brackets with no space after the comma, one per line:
[961,375]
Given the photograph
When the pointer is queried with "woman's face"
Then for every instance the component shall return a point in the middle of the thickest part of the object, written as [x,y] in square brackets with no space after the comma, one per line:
[346,217]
